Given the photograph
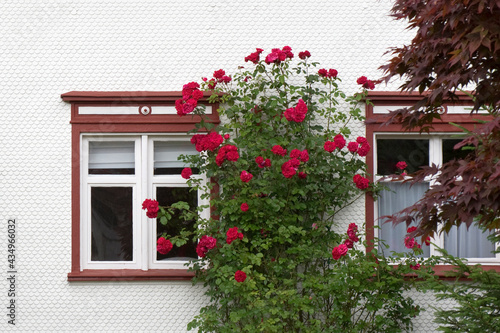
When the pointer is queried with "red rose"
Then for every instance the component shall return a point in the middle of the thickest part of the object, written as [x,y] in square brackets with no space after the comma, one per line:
[427,241]
[361,182]
[339,251]
[151,207]
[295,153]
[343,249]
[411,229]
[349,243]
[302,175]
[211,84]
[415,267]
[401,165]
[253,57]
[246,176]
[278,150]
[369,84]
[163,245]
[323,72]
[207,142]
[352,226]
[244,207]
[364,149]
[361,80]
[240,276]
[288,51]
[361,140]
[219,74]
[410,242]
[289,168]
[339,141]
[261,163]
[233,234]
[226,136]
[206,243]
[352,147]
[297,114]
[225,79]
[304,156]
[197,94]
[186,173]
[329,146]
[332,73]
[304,55]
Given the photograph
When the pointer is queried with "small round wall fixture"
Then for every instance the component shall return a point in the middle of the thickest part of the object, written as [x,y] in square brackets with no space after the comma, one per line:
[144,110]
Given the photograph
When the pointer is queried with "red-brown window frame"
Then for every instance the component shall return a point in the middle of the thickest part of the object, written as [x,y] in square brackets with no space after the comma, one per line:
[377,123]
[136,123]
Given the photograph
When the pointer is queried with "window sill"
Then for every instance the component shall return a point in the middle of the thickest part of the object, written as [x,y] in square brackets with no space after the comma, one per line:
[131,275]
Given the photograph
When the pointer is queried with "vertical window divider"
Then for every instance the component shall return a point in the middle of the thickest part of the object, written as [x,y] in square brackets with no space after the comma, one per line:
[143,194]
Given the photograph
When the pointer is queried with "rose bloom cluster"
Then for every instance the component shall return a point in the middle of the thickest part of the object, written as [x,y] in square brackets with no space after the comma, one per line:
[163,245]
[338,142]
[361,182]
[298,113]
[277,56]
[360,146]
[304,55]
[190,96]
[206,243]
[290,167]
[233,234]
[342,249]
[255,56]
[329,74]
[151,207]
[262,163]
[411,243]
[367,84]
[219,76]
[206,142]
[227,152]
[246,176]
[278,150]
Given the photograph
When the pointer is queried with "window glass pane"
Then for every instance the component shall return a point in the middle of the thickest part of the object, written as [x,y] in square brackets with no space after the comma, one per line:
[165,197]
[412,151]
[115,157]
[449,153]
[111,224]
[166,155]
[398,197]
[469,243]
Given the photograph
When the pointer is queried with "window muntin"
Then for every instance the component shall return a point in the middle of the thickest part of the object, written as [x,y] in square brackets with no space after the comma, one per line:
[416,151]
[111,199]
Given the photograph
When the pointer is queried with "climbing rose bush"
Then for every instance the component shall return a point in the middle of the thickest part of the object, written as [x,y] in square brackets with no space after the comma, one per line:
[273,256]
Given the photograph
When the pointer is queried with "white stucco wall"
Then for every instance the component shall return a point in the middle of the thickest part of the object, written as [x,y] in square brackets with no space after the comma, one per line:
[52,47]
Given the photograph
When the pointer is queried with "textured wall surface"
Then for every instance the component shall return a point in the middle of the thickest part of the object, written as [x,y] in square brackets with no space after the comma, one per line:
[52,47]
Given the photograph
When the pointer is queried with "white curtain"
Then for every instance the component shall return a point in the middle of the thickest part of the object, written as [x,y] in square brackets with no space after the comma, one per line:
[166,153]
[398,197]
[111,155]
[471,243]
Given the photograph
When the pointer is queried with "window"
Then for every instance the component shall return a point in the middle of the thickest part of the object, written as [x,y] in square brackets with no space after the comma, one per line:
[125,149]
[118,173]
[391,145]
[419,151]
